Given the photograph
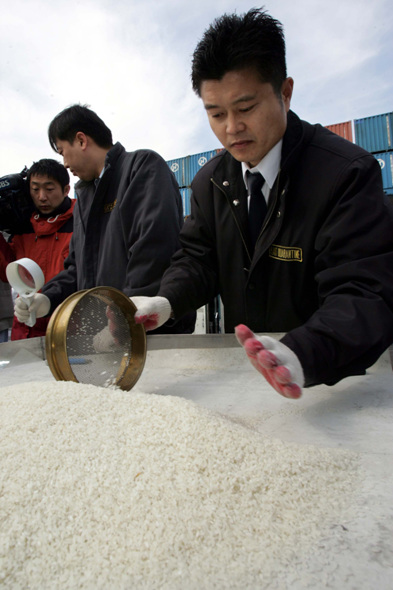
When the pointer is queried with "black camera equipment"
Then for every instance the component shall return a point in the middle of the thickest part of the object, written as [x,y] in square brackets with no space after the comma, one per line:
[16,205]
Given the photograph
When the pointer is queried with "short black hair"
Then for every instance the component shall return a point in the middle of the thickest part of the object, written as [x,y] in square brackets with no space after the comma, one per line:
[236,42]
[50,168]
[76,118]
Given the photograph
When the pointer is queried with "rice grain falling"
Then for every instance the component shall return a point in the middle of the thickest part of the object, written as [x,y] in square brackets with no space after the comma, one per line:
[106,489]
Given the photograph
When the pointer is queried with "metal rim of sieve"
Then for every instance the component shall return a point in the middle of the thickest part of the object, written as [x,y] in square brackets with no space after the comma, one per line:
[56,336]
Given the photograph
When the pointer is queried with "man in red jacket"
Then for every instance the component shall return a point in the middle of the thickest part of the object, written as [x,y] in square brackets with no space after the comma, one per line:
[46,238]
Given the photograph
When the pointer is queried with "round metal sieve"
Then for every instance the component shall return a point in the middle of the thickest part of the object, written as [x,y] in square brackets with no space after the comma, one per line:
[80,346]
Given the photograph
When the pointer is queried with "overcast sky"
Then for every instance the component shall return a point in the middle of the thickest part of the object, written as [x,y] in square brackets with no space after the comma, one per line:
[129,60]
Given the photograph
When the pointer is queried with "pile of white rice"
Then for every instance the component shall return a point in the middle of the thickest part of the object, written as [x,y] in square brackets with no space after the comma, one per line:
[105,489]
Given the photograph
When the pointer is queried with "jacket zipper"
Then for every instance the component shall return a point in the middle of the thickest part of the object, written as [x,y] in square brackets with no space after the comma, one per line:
[234,216]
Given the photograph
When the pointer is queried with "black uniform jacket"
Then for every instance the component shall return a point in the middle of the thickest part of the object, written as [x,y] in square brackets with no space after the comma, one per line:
[126,228]
[322,270]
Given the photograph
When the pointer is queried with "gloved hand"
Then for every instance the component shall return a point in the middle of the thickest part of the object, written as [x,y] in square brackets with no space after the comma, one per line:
[152,312]
[277,363]
[39,305]
[110,337]
[104,341]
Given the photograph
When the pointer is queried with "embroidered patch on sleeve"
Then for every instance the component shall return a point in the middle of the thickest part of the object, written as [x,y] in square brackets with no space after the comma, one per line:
[110,206]
[286,253]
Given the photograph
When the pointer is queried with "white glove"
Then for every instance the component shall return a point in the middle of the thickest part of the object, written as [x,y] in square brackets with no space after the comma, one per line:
[277,363]
[37,306]
[152,312]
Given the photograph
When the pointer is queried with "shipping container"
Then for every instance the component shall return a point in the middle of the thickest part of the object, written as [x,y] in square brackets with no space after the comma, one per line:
[178,167]
[185,168]
[185,197]
[374,134]
[196,162]
[342,129]
[385,160]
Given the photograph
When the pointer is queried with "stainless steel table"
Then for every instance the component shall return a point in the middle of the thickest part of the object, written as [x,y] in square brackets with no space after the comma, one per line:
[356,414]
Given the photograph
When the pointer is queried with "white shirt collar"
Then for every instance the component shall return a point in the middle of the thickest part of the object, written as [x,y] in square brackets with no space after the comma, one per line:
[97,180]
[268,167]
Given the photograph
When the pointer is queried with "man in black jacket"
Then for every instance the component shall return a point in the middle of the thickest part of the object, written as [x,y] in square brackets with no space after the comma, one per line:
[320,266]
[126,221]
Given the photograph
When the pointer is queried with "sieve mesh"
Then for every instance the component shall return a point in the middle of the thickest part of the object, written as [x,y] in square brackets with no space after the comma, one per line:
[97,355]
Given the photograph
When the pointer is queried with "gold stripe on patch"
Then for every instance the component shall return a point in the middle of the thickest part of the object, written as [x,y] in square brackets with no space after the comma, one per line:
[285,253]
[110,206]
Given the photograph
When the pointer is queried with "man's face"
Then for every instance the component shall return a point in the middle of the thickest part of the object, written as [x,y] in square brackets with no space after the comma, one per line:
[74,157]
[245,114]
[47,193]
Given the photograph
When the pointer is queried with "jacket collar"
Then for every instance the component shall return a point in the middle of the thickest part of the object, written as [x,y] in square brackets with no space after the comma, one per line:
[297,134]
[49,224]
[65,205]
[113,155]
[110,160]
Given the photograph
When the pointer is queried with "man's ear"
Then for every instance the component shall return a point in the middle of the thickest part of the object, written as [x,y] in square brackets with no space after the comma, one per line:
[81,139]
[286,92]
[66,190]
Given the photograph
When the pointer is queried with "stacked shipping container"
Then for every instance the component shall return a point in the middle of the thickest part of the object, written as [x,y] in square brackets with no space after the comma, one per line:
[385,160]
[342,129]
[374,134]
[185,169]
[209,317]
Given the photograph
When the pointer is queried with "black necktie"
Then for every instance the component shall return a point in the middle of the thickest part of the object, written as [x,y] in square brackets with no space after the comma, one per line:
[258,207]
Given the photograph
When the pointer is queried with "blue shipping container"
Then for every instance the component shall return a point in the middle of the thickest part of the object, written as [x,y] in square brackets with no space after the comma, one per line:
[196,162]
[385,160]
[185,197]
[374,134]
[179,167]
[185,168]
